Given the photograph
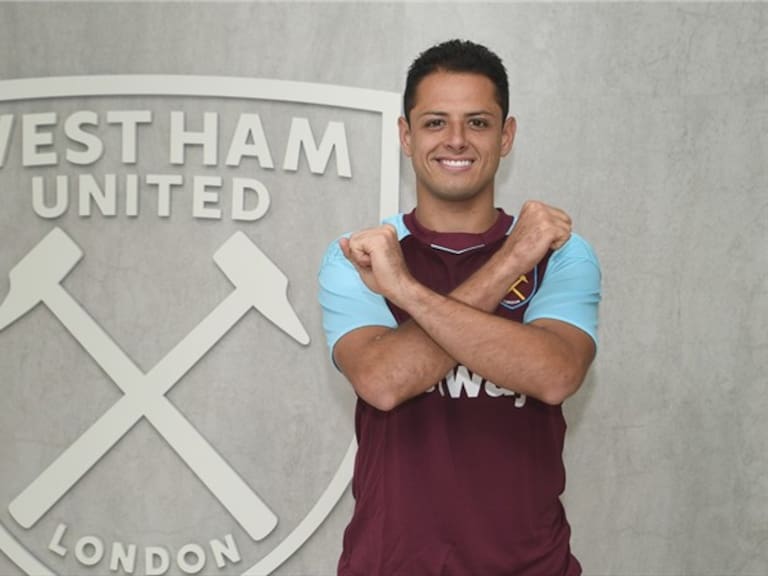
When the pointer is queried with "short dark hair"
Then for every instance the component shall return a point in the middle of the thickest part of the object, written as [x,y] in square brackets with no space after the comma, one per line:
[457,56]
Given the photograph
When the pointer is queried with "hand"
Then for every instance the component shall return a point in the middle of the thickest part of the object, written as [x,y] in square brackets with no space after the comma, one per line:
[376,255]
[538,229]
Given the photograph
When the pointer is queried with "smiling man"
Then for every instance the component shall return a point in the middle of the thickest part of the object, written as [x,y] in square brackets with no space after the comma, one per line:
[462,329]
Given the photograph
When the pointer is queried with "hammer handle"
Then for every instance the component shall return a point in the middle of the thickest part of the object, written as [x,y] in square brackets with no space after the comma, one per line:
[144,397]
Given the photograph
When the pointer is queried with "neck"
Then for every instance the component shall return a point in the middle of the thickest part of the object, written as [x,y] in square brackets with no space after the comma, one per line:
[453,216]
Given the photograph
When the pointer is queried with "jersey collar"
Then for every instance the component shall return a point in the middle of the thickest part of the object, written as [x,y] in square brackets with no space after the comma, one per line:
[459,242]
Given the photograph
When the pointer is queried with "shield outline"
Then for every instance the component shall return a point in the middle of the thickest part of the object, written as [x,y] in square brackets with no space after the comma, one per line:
[385,103]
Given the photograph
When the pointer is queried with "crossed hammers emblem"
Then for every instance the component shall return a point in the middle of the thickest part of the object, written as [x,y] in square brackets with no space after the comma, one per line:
[258,283]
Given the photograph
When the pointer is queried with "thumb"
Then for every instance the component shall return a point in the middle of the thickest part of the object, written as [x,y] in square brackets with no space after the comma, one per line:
[344,245]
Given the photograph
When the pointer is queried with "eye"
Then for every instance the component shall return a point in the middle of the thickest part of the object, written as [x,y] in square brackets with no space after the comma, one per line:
[434,123]
[479,123]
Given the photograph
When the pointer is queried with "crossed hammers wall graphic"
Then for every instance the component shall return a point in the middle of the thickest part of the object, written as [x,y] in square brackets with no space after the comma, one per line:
[258,283]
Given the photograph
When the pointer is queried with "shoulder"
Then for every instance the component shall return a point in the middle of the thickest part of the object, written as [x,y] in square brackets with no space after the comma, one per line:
[333,252]
[577,247]
[398,222]
[577,254]
[571,288]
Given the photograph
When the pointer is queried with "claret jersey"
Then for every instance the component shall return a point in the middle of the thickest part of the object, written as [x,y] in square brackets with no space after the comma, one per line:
[466,478]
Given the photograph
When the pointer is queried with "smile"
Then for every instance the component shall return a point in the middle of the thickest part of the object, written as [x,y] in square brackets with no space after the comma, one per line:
[448,163]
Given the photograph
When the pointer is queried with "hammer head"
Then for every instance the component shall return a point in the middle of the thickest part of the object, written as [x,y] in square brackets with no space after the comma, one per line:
[249,269]
[41,270]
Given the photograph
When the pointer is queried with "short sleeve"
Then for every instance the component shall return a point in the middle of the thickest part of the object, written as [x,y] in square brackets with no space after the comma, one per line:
[570,290]
[347,303]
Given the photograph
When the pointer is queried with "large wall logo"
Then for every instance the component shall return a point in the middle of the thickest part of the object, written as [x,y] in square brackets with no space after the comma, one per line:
[168,403]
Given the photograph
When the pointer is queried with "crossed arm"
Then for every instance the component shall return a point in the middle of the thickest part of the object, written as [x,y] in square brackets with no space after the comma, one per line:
[546,359]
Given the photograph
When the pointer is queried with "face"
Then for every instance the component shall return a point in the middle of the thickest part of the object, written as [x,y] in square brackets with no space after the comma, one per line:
[456,137]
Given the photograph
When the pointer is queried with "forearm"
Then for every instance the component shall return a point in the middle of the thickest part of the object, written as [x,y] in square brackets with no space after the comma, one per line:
[529,359]
[388,366]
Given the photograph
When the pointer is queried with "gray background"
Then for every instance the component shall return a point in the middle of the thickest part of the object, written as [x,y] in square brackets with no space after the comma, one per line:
[648,122]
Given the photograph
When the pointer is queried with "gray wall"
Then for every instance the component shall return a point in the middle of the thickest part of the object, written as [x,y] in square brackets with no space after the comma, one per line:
[648,122]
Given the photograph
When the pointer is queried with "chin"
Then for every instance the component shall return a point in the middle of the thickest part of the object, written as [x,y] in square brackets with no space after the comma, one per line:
[456,195]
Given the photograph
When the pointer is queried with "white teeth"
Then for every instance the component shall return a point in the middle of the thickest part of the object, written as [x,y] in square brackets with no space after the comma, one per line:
[456,163]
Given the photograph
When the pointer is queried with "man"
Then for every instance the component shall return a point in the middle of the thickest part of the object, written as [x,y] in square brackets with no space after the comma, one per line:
[462,330]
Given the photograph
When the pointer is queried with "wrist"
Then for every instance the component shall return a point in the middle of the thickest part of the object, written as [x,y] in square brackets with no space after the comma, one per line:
[410,294]
[507,264]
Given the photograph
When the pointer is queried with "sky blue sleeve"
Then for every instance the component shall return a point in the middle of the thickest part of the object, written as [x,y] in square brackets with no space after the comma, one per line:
[347,303]
[570,289]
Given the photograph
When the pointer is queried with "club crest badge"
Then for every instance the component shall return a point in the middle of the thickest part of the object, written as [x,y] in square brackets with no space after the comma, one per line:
[521,290]
[169,406]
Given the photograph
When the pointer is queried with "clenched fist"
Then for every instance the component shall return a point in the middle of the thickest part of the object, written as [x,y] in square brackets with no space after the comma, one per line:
[538,229]
[376,255]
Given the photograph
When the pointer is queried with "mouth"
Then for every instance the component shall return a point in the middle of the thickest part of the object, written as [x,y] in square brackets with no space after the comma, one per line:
[456,164]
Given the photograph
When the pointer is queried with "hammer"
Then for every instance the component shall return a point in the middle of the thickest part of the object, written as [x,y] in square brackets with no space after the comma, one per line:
[258,283]
[42,269]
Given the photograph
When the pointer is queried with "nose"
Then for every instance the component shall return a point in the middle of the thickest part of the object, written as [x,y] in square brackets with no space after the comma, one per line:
[456,137]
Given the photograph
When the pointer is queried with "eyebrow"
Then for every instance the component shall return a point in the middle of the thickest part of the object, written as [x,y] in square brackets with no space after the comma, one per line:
[468,114]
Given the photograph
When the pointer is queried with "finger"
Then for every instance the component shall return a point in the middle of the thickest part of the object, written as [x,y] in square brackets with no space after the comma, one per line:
[355,255]
[563,217]
[543,209]
[391,230]
[559,213]
[344,245]
[359,253]
[561,240]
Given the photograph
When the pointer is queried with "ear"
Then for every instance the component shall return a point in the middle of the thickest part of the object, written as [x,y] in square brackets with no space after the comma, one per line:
[405,135]
[508,135]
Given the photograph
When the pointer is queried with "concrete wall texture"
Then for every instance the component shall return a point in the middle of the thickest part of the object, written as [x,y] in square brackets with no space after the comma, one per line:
[647,122]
